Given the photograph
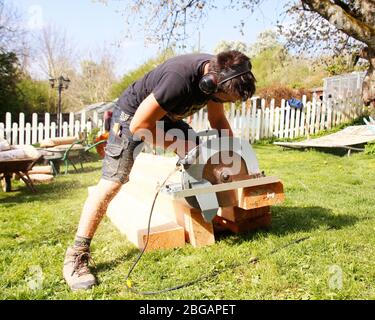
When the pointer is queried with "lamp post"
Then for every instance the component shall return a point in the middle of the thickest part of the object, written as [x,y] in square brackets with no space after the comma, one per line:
[62,84]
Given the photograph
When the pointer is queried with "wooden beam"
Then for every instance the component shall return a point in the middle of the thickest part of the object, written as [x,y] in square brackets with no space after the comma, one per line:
[41,170]
[261,196]
[249,224]
[200,233]
[237,214]
[146,178]
[131,217]
[196,230]
[224,187]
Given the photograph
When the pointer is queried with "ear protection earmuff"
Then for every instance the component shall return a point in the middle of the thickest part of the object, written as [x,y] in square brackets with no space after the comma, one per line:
[211,81]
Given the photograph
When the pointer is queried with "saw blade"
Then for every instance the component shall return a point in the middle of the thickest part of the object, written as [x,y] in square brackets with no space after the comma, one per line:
[224,167]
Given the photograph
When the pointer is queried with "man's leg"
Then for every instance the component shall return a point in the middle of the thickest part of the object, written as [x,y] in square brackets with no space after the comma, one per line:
[117,164]
[95,207]
[76,271]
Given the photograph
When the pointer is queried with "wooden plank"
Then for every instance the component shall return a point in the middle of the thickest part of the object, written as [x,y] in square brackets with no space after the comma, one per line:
[282,119]
[302,128]
[237,214]
[277,122]
[292,125]
[298,125]
[224,187]
[308,119]
[200,233]
[76,128]
[243,121]
[8,127]
[15,133]
[197,231]
[34,126]
[71,124]
[21,140]
[251,224]
[261,195]
[287,121]
[131,217]
[40,177]
[2,131]
[313,114]
[40,132]
[47,125]
[318,116]
[258,124]
[41,170]
[323,116]
[253,120]
[247,126]
[53,130]
[272,115]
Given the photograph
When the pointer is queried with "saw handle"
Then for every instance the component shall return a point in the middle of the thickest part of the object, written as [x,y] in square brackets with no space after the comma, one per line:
[189,159]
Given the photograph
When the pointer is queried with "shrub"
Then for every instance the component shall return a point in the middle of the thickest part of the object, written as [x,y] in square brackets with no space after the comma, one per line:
[279,92]
[370,148]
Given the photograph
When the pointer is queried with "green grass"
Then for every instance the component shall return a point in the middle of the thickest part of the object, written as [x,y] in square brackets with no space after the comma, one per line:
[329,200]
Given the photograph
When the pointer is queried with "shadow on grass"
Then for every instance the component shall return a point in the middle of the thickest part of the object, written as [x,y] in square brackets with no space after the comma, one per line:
[288,220]
[335,151]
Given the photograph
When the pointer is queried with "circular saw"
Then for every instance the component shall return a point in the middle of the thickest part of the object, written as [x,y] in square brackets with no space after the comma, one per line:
[213,171]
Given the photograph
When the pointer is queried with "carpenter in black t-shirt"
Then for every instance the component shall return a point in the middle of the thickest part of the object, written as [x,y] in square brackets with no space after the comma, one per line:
[174,85]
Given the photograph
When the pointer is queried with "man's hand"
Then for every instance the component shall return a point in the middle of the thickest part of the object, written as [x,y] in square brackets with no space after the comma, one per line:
[217,118]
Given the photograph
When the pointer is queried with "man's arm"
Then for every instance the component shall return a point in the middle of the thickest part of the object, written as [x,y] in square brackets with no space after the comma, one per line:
[143,125]
[217,118]
[148,112]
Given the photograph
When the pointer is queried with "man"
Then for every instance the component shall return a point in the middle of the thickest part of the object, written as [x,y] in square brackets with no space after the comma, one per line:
[163,97]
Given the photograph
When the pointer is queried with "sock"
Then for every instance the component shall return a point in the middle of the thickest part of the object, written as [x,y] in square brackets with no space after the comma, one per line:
[82,242]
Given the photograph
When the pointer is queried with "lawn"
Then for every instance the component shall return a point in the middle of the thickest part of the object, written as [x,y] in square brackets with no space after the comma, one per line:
[321,245]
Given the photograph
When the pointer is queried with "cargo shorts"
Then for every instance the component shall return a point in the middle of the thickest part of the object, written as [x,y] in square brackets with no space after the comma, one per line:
[121,151]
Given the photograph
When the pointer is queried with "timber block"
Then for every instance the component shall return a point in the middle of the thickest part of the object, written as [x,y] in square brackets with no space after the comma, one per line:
[131,216]
[251,223]
[237,214]
[41,178]
[261,196]
[199,232]
[41,170]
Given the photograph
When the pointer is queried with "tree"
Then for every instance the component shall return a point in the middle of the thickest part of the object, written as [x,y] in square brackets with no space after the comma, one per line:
[232,45]
[94,81]
[54,52]
[18,92]
[267,39]
[10,29]
[340,23]
[9,77]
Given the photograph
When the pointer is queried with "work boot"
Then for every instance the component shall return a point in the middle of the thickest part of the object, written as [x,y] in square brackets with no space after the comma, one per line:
[76,268]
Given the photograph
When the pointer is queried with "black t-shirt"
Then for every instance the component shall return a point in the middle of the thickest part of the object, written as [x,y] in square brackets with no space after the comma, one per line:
[174,85]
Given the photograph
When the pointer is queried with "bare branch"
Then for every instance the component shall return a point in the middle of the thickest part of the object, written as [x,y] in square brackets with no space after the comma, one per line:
[343,21]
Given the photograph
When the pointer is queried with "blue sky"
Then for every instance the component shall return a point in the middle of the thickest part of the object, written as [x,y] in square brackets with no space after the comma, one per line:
[93,25]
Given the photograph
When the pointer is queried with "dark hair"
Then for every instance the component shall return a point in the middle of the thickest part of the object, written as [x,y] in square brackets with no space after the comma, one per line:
[243,85]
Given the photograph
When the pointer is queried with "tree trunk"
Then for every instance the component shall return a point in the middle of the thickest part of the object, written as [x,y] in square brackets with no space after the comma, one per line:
[368,88]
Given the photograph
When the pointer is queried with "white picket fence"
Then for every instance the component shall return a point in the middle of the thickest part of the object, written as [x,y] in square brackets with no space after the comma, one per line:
[253,121]
[19,132]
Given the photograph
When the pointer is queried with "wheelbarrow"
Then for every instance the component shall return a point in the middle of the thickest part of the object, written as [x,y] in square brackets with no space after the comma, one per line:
[20,167]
